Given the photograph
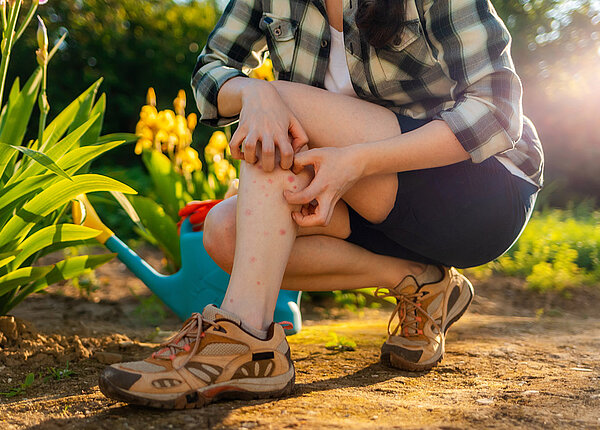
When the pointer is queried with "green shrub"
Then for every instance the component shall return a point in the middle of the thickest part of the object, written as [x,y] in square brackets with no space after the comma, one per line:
[557,249]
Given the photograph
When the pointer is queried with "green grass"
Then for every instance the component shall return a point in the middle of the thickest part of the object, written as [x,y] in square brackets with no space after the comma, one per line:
[558,249]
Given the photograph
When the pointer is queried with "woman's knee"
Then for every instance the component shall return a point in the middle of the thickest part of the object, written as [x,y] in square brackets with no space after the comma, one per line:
[219,232]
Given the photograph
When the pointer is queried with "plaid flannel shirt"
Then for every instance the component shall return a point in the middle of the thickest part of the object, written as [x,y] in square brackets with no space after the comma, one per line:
[451,61]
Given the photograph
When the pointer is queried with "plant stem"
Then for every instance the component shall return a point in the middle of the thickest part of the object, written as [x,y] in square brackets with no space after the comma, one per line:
[3,15]
[7,43]
[44,106]
[28,18]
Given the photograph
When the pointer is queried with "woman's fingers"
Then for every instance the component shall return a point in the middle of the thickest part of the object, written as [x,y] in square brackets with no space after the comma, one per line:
[319,216]
[306,195]
[249,148]
[303,159]
[299,136]
[285,151]
[267,154]
[236,142]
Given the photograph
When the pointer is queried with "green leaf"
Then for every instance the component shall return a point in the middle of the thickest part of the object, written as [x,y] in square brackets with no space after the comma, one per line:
[160,225]
[79,157]
[12,195]
[41,158]
[57,151]
[61,271]
[92,135]
[61,123]
[22,276]
[127,137]
[52,235]
[7,257]
[16,117]
[169,186]
[51,199]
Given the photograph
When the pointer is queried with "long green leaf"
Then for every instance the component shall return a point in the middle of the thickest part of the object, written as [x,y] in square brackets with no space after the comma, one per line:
[51,199]
[66,269]
[61,123]
[77,158]
[160,225]
[127,137]
[7,257]
[41,158]
[92,135]
[12,194]
[22,276]
[51,235]
[15,119]
[56,152]
[168,184]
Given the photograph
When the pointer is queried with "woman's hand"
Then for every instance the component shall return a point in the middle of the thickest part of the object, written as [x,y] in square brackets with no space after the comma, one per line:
[336,170]
[266,120]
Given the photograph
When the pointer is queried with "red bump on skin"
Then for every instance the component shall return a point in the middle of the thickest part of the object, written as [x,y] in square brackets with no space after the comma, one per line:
[230,300]
[265,233]
[270,181]
[254,182]
[282,232]
[295,187]
[291,178]
[248,212]
[257,282]
[252,260]
[266,195]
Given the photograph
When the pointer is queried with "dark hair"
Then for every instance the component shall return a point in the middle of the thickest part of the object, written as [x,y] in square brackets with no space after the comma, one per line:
[380,20]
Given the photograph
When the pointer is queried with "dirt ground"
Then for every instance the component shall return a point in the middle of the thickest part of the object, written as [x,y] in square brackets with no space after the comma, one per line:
[516,359]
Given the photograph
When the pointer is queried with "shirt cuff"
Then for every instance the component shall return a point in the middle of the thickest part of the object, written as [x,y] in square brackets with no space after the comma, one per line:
[206,89]
[477,129]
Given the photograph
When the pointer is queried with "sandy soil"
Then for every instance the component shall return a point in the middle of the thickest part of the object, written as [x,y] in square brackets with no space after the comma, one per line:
[516,359]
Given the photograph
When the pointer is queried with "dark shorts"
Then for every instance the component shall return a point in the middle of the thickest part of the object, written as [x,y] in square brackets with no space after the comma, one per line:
[461,215]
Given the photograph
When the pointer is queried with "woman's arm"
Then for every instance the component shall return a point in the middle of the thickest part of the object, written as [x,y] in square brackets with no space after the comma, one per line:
[338,169]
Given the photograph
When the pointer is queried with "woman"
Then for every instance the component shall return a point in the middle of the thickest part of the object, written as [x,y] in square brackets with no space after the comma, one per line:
[391,149]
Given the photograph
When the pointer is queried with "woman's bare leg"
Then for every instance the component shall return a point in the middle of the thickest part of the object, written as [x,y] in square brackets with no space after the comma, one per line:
[320,259]
[265,234]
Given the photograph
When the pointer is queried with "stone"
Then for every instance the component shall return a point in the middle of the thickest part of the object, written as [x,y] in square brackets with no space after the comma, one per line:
[8,327]
[108,357]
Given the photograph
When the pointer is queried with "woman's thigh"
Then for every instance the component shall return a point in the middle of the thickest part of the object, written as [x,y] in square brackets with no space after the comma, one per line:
[334,120]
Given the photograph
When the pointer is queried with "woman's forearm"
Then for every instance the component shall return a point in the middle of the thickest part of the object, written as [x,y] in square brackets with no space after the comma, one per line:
[432,145]
[232,93]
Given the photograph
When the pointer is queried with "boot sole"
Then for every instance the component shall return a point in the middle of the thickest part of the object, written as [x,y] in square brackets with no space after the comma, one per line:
[195,398]
[390,359]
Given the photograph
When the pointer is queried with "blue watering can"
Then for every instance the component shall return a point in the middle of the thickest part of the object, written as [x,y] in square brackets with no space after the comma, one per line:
[198,283]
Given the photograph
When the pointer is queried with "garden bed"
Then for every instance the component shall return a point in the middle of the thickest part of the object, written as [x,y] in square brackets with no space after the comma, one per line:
[516,359]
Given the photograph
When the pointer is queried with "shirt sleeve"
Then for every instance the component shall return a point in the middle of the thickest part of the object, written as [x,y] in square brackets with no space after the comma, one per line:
[234,47]
[472,46]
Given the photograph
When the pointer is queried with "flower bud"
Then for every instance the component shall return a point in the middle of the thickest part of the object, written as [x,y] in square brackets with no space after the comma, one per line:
[151,97]
[42,35]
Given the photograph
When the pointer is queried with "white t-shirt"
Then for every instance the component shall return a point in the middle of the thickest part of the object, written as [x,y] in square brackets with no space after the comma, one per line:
[337,76]
[337,80]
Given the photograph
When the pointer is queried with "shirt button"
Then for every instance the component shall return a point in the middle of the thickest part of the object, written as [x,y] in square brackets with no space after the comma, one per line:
[323,43]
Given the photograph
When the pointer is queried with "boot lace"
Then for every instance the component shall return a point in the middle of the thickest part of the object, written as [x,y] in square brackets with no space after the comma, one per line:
[409,310]
[193,330]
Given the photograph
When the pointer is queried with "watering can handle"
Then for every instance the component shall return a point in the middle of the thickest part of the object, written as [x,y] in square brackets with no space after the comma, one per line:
[85,214]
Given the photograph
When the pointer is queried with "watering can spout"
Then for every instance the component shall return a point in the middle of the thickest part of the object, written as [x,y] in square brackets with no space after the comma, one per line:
[85,214]
[198,283]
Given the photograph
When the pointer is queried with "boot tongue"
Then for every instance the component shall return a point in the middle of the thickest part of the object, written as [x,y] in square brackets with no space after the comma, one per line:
[212,313]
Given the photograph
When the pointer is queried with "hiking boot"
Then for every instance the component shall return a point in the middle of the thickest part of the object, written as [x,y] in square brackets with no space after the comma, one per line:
[211,358]
[424,313]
